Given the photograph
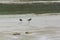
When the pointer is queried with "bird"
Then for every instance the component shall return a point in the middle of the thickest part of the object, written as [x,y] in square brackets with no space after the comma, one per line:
[20,19]
[30,19]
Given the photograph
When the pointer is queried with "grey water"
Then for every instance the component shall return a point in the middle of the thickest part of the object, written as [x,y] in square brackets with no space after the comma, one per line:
[40,27]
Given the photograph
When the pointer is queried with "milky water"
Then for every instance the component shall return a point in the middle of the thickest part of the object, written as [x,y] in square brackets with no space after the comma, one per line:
[40,27]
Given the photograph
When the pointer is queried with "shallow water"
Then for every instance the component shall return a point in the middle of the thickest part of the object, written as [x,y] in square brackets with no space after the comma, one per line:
[42,27]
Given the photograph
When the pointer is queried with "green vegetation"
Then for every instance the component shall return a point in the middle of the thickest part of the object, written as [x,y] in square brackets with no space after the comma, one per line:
[29,8]
[39,0]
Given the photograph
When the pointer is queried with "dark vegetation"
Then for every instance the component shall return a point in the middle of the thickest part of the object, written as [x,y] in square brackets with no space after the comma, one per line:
[30,8]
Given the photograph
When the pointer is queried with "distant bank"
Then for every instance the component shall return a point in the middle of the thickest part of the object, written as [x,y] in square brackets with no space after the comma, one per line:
[23,2]
[36,7]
